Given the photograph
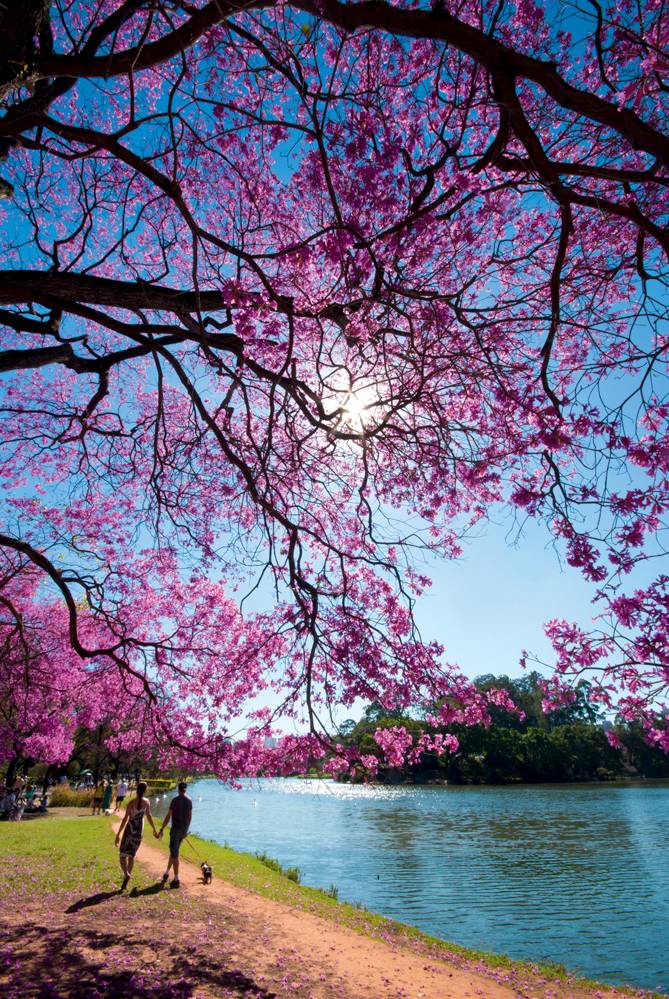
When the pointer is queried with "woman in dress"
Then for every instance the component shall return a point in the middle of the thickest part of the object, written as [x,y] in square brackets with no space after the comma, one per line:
[107,796]
[132,828]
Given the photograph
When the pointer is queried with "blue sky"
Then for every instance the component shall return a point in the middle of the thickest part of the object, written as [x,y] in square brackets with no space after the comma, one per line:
[490,604]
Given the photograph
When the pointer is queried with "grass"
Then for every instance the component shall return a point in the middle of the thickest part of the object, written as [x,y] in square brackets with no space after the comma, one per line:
[64,796]
[56,854]
[73,857]
[292,873]
[68,933]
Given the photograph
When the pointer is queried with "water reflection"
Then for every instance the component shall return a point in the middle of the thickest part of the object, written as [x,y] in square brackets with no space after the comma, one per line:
[575,874]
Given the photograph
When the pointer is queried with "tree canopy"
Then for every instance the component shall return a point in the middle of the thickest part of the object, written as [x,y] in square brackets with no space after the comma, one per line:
[293,292]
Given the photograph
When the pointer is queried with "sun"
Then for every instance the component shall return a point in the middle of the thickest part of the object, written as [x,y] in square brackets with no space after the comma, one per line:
[357,407]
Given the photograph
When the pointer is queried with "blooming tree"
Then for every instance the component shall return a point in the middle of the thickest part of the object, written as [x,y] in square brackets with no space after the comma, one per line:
[294,291]
[38,679]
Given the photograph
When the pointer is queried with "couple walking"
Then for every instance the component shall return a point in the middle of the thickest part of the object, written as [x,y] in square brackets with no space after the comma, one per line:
[179,814]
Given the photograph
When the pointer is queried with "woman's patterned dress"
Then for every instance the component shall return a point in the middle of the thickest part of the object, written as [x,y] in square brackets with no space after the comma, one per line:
[132,835]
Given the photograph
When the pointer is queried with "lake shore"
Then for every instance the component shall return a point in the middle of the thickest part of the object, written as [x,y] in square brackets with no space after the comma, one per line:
[66,927]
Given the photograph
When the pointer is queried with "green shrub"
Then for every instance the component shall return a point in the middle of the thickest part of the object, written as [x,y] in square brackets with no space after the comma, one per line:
[63,796]
[292,873]
[270,862]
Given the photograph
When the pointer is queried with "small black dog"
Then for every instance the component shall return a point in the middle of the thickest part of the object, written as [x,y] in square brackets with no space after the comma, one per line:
[207,872]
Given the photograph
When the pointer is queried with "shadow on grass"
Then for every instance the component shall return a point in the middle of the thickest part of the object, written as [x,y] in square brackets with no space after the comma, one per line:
[86,903]
[79,963]
[151,890]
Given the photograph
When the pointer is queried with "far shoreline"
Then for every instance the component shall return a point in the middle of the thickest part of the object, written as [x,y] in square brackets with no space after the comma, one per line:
[617,782]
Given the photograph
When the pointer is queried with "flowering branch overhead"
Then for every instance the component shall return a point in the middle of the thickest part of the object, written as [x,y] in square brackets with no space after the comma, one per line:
[293,292]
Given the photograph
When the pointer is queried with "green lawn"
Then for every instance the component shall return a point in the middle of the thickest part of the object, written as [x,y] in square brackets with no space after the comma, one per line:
[55,854]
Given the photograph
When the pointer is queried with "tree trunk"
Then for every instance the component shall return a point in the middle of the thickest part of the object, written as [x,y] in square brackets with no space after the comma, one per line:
[11,770]
[47,776]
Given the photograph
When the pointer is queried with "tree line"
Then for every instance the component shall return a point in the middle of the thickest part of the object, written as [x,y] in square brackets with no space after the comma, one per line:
[569,744]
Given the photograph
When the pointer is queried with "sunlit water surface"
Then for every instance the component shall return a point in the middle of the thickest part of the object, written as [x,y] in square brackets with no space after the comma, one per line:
[574,874]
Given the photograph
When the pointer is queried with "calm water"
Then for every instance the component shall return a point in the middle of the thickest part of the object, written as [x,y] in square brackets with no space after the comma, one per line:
[576,874]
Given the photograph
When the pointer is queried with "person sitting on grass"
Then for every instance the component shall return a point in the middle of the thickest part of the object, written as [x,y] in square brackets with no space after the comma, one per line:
[18,805]
[132,828]
[180,813]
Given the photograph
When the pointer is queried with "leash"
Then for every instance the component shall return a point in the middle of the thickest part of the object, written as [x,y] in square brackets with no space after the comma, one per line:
[198,855]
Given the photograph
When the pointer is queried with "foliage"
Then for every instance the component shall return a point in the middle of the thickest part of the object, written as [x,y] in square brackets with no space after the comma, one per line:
[270,862]
[62,796]
[520,745]
[292,873]
[292,294]
[644,758]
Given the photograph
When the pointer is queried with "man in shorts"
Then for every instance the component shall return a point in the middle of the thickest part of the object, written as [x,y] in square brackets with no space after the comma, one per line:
[179,813]
[121,791]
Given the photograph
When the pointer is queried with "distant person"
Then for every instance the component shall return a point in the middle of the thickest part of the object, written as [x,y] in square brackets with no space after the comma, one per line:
[179,813]
[97,799]
[121,791]
[107,796]
[133,824]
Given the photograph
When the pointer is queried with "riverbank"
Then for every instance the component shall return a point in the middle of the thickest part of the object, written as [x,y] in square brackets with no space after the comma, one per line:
[67,931]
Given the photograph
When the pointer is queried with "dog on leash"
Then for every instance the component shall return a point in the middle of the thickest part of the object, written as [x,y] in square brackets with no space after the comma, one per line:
[207,873]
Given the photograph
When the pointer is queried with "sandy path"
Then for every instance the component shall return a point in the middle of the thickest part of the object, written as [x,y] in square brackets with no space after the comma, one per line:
[369,968]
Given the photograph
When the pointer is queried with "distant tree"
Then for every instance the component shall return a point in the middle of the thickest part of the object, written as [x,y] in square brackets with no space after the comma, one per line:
[569,744]
[644,759]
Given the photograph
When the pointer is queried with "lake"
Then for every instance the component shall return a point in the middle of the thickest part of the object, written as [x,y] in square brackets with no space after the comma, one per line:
[577,874]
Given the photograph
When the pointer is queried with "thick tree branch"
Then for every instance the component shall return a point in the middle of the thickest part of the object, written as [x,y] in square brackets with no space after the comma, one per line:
[18,287]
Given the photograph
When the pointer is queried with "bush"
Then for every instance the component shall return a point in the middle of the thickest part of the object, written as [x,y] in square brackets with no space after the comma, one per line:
[63,796]
[155,792]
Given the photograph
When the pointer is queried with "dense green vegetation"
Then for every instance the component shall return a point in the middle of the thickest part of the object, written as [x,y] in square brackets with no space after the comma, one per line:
[566,745]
